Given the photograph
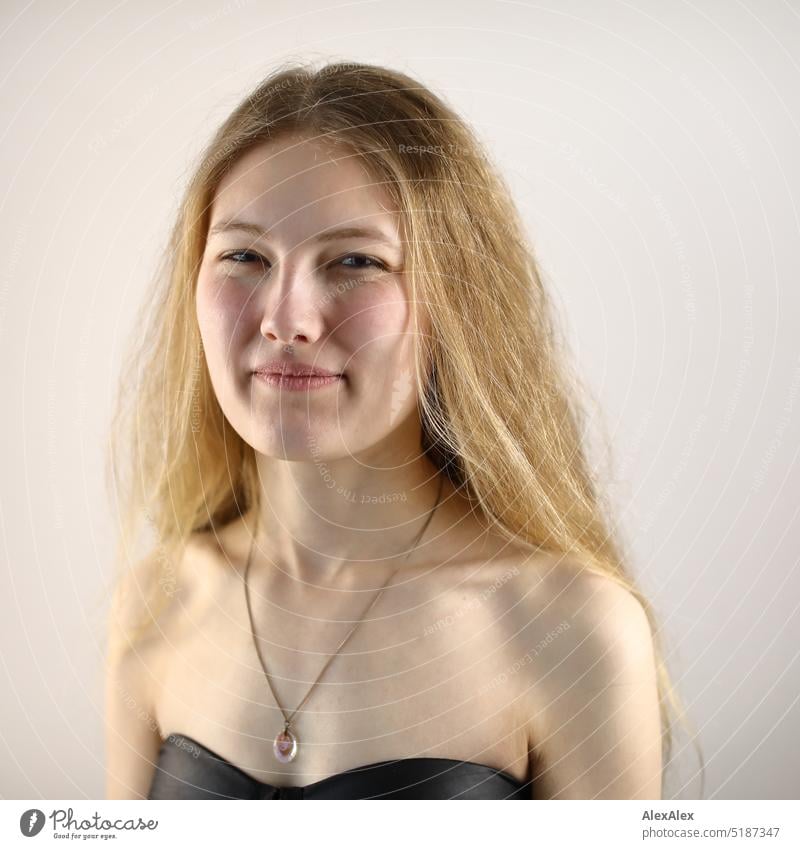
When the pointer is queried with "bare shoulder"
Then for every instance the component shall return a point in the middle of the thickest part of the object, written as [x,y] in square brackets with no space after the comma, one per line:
[150,596]
[553,590]
[148,606]
[143,596]
[587,678]
[132,736]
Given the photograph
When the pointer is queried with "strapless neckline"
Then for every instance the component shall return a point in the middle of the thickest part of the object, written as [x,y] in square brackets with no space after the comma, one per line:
[433,769]
[177,738]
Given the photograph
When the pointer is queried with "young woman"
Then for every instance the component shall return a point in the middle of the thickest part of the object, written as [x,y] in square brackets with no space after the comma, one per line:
[381,567]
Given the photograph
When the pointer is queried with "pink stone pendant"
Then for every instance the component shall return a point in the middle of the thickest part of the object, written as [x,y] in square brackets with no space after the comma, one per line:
[285,746]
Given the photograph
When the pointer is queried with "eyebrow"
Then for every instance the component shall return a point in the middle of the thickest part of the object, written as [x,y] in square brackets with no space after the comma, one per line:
[325,236]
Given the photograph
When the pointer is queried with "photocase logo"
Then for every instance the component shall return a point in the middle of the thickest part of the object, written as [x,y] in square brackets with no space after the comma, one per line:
[65,825]
[31,822]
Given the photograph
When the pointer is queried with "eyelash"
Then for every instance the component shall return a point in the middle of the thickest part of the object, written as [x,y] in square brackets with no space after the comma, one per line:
[376,263]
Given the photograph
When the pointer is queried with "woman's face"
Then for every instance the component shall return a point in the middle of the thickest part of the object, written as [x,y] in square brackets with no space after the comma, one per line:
[303,264]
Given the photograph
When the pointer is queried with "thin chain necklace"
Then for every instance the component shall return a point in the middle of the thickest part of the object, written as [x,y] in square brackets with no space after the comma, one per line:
[286,744]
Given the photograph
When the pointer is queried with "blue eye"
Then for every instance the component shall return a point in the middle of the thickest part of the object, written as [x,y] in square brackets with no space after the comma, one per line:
[231,257]
[374,263]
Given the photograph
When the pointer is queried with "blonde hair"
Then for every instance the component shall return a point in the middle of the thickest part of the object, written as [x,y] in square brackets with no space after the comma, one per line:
[500,413]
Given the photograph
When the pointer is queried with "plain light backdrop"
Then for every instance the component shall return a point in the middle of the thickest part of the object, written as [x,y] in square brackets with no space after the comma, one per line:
[652,149]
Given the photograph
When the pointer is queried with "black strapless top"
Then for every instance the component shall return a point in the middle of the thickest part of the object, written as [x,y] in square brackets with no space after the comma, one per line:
[188,770]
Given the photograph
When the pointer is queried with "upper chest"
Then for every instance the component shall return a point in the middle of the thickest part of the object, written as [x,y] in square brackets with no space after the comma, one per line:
[428,671]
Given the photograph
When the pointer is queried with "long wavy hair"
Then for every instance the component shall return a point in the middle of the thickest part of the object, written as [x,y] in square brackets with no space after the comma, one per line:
[501,413]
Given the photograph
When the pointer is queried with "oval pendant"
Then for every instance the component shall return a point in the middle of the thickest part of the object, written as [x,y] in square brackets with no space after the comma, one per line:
[285,746]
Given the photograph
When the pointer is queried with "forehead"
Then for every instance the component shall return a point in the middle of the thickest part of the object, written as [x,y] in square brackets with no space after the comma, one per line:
[295,187]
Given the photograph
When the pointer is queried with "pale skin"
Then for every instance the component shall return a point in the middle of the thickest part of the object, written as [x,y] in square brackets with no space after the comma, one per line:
[476,651]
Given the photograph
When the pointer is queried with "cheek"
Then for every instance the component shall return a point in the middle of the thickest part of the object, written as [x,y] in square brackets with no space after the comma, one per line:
[375,322]
[220,308]
[378,335]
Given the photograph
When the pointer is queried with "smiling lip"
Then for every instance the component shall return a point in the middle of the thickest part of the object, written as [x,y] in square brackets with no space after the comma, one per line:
[294,369]
[297,382]
[295,376]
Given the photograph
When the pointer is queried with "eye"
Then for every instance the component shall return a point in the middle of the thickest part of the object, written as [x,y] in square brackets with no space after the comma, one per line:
[234,257]
[373,262]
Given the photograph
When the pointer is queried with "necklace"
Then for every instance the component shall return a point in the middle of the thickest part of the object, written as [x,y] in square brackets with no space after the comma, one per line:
[286,744]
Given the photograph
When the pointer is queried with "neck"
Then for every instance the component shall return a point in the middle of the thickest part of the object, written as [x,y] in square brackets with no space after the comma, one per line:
[319,517]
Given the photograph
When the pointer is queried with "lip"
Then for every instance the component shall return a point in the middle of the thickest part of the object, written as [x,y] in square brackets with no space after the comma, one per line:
[297,383]
[291,368]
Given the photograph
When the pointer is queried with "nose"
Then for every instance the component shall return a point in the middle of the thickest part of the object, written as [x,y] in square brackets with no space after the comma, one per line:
[292,312]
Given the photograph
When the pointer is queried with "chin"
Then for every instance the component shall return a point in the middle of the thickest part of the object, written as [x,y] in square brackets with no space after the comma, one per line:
[297,444]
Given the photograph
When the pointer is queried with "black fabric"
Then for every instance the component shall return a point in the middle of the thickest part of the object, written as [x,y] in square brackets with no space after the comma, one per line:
[188,770]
